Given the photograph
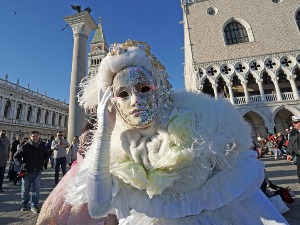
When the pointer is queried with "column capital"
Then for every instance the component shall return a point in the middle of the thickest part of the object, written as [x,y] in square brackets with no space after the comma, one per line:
[81,23]
[214,86]
[229,84]
[274,79]
[293,77]
[259,81]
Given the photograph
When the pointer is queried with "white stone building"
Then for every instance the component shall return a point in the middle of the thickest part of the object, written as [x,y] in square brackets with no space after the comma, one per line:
[248,52]
[23,110]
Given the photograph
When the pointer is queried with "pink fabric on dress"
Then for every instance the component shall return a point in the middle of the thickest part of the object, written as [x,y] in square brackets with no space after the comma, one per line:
[55,211]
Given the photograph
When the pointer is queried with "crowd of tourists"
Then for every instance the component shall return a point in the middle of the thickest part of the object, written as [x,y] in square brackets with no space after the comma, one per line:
[275,145]
[28,157]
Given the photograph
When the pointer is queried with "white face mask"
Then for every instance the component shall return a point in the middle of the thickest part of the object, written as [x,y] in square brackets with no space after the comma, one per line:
[134,97]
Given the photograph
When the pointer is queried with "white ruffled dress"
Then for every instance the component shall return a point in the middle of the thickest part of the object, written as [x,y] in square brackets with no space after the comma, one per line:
[207,175]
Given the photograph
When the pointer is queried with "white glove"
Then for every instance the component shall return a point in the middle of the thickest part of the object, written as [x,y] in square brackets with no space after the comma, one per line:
[99,182]
[106,119]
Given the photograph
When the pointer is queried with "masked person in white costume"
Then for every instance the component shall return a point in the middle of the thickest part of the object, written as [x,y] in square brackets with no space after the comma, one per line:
[165,158]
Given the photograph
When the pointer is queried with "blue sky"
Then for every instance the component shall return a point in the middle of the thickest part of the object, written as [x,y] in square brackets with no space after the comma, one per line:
[34,50]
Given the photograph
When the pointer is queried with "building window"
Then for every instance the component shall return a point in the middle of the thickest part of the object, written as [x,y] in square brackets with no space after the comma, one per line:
[46,117]
[298,19]
[38,115]
[212,11]
[66,121]
[53,119]
[29,113]
[235,33]
[7,109]
[59,120]
[19,111]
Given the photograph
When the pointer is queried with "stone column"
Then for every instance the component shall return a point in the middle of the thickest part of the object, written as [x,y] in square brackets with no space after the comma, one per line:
[215,87]
[56,119]
[50,118]
[42,120]
[230,93]
[14,110]
[2,106]
[245,91]
[25,112]
[278,92]
[34,114]
[294,86]
[82,24]
[62,120]
[261,90]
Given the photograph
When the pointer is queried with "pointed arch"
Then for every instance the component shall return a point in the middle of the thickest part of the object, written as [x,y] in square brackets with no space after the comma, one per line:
[252,85]
[222,88]
[237,30]
[207,87]
[237,87]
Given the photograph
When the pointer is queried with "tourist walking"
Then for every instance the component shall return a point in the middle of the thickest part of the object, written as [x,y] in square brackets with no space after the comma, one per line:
[59,146]
[294,145]
[4,146]
[31,158]
[12,174]
[72,152]
[48,145]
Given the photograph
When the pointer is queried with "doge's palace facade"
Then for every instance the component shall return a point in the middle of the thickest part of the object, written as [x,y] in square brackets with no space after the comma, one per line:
[23,110]
[247,52]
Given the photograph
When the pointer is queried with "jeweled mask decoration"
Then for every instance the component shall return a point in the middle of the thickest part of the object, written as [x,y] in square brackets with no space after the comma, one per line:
[134,91]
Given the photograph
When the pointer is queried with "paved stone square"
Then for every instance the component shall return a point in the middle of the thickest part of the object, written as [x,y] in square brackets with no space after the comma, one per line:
[279,171]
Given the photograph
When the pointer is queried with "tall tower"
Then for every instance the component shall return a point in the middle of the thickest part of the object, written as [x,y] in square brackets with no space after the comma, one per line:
[82,25]
[252,61]
[98,50]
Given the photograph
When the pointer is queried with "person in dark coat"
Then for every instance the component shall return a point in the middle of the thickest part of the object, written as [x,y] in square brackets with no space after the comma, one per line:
[12,174]
[31,157]
[294,145]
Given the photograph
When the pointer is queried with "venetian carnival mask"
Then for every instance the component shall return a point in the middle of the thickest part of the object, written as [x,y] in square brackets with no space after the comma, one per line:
[134,96]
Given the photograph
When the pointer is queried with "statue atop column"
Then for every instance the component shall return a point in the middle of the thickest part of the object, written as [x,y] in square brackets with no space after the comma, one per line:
[78,8]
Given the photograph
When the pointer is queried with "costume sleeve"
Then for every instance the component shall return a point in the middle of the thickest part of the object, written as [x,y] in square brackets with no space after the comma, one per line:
[99,181]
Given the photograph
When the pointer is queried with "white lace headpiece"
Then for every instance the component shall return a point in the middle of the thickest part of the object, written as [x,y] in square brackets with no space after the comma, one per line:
[120,56]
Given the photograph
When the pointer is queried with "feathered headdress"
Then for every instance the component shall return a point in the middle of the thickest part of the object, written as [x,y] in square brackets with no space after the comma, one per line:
[120,56]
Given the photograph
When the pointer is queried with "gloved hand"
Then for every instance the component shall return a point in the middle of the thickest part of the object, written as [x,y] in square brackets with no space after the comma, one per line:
[106,118]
